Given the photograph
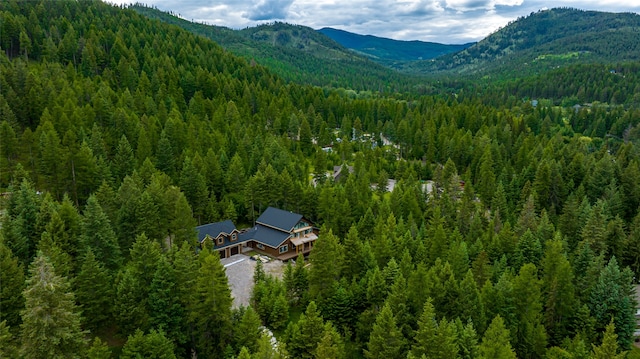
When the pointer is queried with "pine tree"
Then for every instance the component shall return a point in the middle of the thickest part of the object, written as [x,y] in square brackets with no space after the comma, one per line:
[495,343]
[98,350]
[124,161]
[19,227]
[471,305]
[433,339]
[11,286]
[165,310]
[7,342]
[244,353]
[386,340]
[247,331]
[154,345]
[467,340]
[612,298]
[326,265]
[530,337]
[94,292]
[330,346]
[98,235]
[211,307]
[51,319]
[131,306]
[266,349]
[558,292]
[609,347]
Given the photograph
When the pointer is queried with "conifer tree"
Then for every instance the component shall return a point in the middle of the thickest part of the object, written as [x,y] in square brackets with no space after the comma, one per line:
[247,332]
[98,235]
[165,309]
[530,337]
[7,342]
[467,340]
[124,160]
[154,345]
[612,298]
[244,353]
[386,340]
[495,343]
[558,292]
[326,266]
[471,306]
[330,346]
[609,347]
[19,227]
[94,292]
[98,350]
[51,319]
[211,307]
[266,349]
[12,284]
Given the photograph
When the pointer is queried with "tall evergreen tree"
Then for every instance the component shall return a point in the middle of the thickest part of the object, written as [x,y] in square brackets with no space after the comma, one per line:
[165,309]
[211,307]
[612,298]
[131,305]
[19,227]
[247,332]
[558,292]
[11,286]
[330,346]
[386,340]
[94,292]
[609,347]
[529,337]
[98,235]
[495,343]
[154,345]
[51,319]
[98,350]
[124,161]
[326,266]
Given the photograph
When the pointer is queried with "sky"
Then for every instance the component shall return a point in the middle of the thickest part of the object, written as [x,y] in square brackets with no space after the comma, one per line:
[443,21]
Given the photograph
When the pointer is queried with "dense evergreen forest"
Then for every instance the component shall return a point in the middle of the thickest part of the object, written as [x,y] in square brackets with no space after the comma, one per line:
[119,134]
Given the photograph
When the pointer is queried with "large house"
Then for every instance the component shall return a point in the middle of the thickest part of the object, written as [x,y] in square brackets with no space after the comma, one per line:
[278,233]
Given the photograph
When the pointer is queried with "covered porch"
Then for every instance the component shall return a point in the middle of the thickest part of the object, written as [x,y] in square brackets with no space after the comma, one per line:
[302,244]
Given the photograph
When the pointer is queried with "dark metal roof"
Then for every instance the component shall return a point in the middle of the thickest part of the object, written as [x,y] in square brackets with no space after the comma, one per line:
[215,229]
[265,235]
[280,219]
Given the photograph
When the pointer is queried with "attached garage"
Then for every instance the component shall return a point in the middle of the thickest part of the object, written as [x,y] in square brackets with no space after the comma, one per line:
[235,250]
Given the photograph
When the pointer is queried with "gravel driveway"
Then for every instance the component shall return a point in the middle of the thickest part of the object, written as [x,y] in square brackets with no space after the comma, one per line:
[239,269]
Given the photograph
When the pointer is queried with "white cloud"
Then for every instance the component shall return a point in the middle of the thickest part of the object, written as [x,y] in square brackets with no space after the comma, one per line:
[445,21]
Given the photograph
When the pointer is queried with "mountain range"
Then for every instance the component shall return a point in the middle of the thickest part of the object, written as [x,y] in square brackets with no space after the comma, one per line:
[391,52]
[533,44]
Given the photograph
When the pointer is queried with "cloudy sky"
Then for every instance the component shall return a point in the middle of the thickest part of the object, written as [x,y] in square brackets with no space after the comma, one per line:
[444,21]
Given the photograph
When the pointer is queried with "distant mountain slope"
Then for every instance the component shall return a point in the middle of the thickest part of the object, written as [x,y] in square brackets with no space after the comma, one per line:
[296,53]
[386,50]
[545,40]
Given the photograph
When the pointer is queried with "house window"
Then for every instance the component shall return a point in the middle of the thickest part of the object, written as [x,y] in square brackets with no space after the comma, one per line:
[234,237]
[259,246]
[284,248]
[220,240]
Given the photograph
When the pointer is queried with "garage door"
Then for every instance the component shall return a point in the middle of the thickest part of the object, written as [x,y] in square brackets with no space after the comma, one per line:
[223,253]
[235,250]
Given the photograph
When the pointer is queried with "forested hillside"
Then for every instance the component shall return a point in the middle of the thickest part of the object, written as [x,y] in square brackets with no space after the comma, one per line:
[119,134]
[545,40]
[296,53]
[391,52]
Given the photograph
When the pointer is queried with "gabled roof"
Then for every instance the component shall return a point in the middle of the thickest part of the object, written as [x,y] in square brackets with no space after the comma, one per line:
[265,235]
[279,219]
[215,229]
